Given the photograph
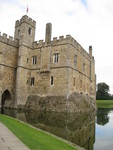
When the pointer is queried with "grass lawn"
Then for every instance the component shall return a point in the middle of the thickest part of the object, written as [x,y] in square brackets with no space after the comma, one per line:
[104,103]
[33,138]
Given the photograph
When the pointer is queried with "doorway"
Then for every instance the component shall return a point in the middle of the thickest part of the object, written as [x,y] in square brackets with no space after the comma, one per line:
[6,98]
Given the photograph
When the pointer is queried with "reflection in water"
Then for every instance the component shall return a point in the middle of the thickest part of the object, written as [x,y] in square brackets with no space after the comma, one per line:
[104,130]
[77,128]
[102,116]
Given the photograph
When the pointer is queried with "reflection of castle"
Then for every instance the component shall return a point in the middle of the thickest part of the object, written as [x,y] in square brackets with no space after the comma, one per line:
[77,128]
[58,67]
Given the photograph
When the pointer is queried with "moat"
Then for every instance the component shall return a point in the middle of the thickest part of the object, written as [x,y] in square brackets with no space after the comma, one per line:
[93,131]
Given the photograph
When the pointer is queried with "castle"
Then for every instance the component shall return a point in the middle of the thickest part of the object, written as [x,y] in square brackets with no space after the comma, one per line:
[55,75]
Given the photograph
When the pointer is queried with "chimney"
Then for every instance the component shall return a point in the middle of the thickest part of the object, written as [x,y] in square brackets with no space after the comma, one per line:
[90,51]
[48,33]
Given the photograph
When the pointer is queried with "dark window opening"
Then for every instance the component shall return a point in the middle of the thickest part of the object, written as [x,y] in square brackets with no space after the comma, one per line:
[30,31]
[32,81]
[18,32]
[27,82]
[27,60]
[51,80]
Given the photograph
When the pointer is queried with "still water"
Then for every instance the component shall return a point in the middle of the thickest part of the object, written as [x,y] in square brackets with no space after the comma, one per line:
[89,130]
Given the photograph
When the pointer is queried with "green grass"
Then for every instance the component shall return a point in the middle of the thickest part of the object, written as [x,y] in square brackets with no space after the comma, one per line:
[104,103]
[33,138]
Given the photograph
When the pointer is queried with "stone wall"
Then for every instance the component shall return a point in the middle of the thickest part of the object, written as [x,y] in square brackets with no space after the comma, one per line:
[74,103]
[8,62]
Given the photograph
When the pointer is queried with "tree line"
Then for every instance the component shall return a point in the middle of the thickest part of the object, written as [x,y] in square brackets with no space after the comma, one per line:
[102,92]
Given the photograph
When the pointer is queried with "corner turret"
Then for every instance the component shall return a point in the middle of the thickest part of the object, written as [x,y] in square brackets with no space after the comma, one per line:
[25,30]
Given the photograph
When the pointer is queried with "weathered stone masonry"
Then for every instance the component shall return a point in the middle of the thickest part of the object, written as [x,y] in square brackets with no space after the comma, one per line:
[55,75]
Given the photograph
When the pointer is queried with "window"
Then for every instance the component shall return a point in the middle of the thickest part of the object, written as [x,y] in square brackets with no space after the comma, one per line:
[80,83]
[27,60]
[73,81]
[34,60]
[32,81]
[56,57]
[51,80]
[29,31]
[27,82]
[18,32]
[83,67]
[75,60]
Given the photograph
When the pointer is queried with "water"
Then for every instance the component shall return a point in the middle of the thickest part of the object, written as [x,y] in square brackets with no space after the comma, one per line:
[104,130]
[88,130]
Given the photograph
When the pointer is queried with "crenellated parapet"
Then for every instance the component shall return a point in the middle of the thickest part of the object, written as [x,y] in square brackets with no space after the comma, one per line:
[70,40]
[60,41]
[25,19]
[8,40]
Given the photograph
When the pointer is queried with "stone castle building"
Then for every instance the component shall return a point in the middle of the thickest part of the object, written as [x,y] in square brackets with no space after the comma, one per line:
[57,75]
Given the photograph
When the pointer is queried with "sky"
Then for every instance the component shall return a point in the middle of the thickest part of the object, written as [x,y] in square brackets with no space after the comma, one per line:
[89,22]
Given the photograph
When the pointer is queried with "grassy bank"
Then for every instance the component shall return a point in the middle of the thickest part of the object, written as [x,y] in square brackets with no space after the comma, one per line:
[104,103]
[33,138]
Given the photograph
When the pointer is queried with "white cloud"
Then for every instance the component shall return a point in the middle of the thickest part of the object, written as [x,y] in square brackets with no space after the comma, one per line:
[90,22]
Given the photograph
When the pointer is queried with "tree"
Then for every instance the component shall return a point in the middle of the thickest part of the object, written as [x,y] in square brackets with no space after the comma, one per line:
[102,91]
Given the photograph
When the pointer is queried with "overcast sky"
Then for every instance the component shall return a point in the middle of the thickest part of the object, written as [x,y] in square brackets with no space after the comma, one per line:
[90,22]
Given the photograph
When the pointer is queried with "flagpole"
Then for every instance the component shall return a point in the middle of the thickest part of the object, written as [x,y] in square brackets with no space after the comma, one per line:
[27,9]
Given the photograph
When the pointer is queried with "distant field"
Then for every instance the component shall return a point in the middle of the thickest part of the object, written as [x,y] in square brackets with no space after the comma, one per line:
[104,103]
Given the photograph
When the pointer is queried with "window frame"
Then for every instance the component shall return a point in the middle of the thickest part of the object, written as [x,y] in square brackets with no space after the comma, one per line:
[56,58]
[32,81]
[34,60]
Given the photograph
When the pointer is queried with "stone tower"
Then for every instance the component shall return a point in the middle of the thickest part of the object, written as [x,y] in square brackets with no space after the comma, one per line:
[25,33]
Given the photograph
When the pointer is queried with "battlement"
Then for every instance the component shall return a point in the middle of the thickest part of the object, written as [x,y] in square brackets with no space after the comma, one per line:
[8,40]
[62,40]
[72,41]
[25,19]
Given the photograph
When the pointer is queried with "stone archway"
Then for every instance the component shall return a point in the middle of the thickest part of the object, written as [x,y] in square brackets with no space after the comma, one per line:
[6,99]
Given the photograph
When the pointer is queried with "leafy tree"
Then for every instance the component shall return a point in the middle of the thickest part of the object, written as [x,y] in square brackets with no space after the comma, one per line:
[102,91]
